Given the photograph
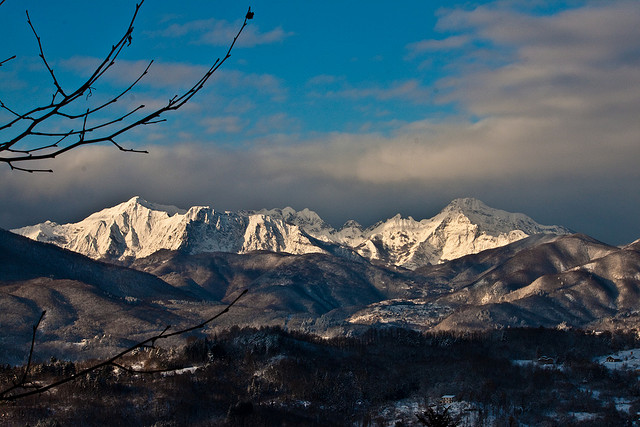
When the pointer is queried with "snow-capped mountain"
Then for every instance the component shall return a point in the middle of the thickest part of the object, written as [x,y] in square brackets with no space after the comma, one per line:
[138,228]
[465,226]
[543,280]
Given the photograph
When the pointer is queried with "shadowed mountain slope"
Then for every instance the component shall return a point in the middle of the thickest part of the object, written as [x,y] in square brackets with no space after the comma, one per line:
[572,279]
[22,259]
[84,299]
[311,283]
[94,308]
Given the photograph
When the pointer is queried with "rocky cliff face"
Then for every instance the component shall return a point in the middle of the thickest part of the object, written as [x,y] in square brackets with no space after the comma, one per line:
[465,226]
[93,307]
[138,228]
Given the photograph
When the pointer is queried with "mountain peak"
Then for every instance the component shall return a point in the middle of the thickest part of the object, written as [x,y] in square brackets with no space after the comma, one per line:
[138,228]
[467,204]
[351,224]
[290,214]
[139,201]
[398,219]
[495,221]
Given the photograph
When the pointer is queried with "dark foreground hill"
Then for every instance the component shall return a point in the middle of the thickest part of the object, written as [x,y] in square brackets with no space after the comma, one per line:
[91,306]
[270,377]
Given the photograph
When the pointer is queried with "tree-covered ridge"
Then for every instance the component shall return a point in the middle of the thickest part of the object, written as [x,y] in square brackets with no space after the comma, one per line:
[269,376]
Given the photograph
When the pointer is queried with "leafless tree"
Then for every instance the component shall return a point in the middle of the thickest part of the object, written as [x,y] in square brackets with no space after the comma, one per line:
[27,136]
[17,147]
[437,417]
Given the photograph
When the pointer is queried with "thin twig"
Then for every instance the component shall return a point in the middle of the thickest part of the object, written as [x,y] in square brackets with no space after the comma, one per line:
[29,170]
[45,147]
[33,341]
[5,396]
[8,59]
[44,59]
[39,116]
[22,382]
[114,99]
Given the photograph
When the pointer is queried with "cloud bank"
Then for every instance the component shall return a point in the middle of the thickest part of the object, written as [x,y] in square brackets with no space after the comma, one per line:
[546,122]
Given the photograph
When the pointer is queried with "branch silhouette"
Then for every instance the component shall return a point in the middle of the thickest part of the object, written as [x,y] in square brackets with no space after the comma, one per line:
[9,394]
[18,148]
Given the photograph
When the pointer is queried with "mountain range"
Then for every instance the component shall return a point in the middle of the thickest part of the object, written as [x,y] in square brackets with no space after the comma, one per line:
[147,266]
[137,228]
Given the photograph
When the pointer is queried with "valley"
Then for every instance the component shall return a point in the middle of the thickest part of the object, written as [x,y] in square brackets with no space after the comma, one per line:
[459,298]
[303,275]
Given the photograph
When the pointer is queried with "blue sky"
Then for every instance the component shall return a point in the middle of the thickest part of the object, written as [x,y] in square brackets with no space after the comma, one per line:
[357,110]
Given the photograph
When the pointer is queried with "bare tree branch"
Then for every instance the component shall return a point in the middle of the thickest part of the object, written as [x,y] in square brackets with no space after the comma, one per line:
[44,59]
[22,382]
[7,395]
[33,123]
[8,59]
[33,341]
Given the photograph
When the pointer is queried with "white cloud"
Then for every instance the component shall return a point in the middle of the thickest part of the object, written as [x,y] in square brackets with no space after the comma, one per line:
[176,77]
[324,79]
[575,68]
[221,33]
[279,123]
[362,176]
[425,46]
[264,84]
[551,106]
[225,124]
[410,90]
[125,72]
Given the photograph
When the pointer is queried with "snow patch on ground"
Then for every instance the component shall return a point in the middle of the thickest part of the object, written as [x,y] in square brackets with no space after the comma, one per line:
[538,364]
[583,416]
[626,359]
[416,312]
[403,412]
[189,370]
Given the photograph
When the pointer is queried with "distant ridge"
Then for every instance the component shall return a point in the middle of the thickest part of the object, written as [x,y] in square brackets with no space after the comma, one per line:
[138,228]
[94,308]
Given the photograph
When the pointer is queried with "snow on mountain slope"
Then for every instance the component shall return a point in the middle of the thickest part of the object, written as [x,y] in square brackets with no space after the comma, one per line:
[465,226]
[306,219]
[351,234]
[138,228]
[133,228]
